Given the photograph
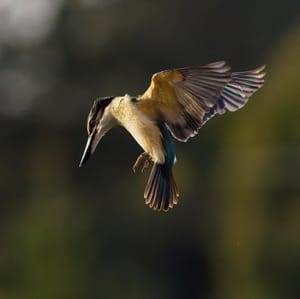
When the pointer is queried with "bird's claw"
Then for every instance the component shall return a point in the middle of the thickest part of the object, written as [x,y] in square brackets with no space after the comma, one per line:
[146,164]
[142,157]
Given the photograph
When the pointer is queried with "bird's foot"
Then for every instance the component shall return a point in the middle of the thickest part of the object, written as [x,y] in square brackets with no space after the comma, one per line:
[142,157]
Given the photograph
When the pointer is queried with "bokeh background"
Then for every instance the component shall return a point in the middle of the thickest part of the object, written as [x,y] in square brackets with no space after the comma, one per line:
[74,233]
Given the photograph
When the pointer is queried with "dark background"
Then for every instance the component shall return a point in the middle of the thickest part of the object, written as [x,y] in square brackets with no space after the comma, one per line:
[74,233]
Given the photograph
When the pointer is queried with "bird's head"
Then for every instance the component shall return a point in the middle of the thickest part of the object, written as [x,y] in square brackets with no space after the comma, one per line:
[100,121]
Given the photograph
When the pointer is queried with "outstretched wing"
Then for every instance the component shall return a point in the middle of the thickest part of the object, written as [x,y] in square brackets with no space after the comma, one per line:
[186,98]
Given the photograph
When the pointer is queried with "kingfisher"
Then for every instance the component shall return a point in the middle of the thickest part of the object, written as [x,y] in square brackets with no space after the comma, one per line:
[175,106]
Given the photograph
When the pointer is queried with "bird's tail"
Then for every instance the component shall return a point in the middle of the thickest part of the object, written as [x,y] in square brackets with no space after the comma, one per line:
[161,192]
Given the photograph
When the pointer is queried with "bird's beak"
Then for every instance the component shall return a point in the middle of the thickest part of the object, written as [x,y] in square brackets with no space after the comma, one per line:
[91,145]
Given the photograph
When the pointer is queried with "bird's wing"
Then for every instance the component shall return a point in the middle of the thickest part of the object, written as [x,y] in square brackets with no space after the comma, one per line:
[186,98]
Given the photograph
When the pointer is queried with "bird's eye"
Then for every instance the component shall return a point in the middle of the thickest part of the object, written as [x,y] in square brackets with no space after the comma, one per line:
[92,123]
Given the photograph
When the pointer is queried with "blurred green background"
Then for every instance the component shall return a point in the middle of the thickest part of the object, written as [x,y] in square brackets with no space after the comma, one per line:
[86,233]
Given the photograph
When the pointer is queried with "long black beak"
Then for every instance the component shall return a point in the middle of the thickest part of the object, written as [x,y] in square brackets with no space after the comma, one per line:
[91,145]
[87,151]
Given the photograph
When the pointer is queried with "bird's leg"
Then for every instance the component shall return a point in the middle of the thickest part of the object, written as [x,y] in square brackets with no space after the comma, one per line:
[146,163]
[142,157]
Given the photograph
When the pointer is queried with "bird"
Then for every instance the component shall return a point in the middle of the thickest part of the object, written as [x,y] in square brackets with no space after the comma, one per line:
[177,103]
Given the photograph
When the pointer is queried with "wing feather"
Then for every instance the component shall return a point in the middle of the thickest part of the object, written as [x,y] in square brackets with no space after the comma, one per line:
[186,98]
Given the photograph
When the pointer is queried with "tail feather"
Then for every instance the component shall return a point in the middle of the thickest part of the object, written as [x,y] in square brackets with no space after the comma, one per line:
[158,196]
[149,191]
[161,192]
[157,191]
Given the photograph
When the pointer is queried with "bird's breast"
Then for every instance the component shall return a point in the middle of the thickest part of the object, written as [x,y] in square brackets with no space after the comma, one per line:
[143,129]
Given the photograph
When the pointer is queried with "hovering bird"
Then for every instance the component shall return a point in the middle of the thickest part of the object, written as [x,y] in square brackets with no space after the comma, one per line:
[176,105]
